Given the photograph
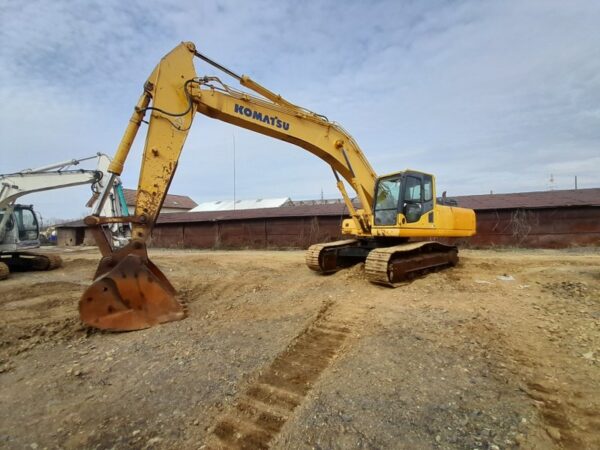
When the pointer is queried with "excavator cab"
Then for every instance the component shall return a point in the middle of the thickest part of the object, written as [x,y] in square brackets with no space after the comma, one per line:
[27,225]
[21,229]
[19,234]
[403,198]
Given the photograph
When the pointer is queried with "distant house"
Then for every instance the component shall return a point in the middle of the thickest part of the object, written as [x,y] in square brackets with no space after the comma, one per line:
[172,204]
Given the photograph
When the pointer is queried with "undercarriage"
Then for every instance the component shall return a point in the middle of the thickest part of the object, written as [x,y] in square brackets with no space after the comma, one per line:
[387,263]
[27,261]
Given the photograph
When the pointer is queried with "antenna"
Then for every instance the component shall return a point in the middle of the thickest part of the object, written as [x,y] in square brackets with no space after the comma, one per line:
[551,182]
[233,136]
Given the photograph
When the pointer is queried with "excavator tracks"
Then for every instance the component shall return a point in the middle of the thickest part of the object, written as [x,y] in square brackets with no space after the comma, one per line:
[4,272]
[27,261]
[390,266]
[394,266]
[317,259]
[37,261]
[54,262]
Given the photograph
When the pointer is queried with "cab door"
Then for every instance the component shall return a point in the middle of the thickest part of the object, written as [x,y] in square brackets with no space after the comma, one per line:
[27,226]
[417,198]
[388,198]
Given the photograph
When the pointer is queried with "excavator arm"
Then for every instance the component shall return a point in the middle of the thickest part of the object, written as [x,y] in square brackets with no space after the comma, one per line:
[55,176]
[176,93]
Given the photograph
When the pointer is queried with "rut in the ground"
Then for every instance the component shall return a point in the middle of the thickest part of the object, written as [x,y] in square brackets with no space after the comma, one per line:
[262,409]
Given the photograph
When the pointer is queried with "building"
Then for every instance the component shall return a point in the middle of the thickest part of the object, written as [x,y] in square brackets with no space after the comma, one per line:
[172,203]
[231,205]
[549,219]
[75,232]
[545,219]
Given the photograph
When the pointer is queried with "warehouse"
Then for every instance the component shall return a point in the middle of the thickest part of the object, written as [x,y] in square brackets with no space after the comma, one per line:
[548,219]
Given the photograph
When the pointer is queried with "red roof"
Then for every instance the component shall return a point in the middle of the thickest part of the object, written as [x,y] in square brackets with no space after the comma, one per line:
[171,201]
[544,199]
[336,209]
[541,199]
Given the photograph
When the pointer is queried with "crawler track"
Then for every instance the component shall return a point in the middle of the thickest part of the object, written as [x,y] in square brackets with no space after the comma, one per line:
[316,259]
[261,411]
[393,266]
[28,261]
[390,266]
[4,271]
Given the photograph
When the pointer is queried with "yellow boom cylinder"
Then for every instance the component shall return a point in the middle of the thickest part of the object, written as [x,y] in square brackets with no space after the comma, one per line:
[116,165]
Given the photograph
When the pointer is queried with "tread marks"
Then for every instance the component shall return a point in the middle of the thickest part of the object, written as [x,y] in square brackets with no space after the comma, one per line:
[261,411]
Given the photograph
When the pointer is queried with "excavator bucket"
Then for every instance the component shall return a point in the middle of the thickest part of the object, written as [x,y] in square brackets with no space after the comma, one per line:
[129,293]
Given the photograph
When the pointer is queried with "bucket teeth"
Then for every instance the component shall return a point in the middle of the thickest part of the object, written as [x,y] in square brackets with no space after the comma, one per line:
[133,295]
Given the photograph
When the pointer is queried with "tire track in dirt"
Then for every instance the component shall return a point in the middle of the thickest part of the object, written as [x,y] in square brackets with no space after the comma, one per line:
[268,402]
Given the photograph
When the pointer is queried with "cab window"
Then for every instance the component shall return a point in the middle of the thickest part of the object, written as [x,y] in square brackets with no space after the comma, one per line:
[427,188]
[413,206]
[386,201]
[27,224]
[413,190]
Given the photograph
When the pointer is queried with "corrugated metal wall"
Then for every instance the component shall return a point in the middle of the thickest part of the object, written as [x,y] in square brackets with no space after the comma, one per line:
[272,232]
[537,228]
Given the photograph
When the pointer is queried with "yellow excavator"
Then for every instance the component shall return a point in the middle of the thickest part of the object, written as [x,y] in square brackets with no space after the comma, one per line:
[129,292]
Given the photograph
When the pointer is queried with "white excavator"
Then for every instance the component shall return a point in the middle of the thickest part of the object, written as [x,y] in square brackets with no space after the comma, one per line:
[19,224]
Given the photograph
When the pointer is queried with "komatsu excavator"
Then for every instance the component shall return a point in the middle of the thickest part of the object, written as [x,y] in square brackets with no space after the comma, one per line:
[129,292]
[19,226]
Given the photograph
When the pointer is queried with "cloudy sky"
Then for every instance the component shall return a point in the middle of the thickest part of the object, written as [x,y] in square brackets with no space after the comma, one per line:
[489,96]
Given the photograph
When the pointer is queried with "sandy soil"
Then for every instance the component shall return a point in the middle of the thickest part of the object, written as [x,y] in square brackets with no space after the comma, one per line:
[502,351]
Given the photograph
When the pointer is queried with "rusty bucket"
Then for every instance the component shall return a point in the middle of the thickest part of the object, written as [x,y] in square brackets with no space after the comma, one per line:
[129,293]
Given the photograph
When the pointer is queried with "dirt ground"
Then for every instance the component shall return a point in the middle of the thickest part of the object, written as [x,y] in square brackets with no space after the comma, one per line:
[500,352]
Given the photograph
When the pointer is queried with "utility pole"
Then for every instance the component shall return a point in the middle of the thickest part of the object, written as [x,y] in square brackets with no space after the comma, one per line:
[575,182]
